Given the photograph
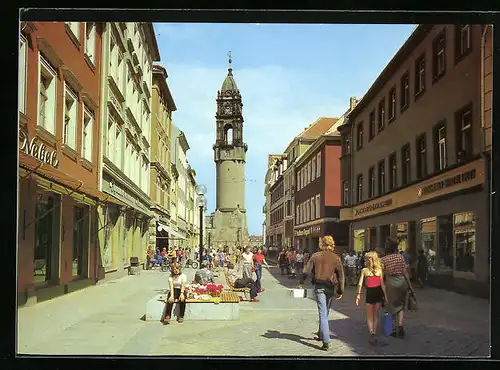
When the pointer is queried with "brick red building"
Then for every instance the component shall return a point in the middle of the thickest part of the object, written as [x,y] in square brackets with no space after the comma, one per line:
[59,141]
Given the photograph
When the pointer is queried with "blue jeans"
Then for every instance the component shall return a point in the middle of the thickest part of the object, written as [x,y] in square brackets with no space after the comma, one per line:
[324,297]
[258,272]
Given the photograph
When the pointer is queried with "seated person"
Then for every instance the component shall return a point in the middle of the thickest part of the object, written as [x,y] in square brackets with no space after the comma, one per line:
[204,275]
[177,285]
[239,282]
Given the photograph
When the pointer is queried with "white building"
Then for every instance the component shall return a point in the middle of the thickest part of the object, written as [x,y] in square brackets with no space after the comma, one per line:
[129,50]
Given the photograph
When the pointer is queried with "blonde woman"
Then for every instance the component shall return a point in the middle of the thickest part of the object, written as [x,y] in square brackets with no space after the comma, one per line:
[373,276]
[328,282]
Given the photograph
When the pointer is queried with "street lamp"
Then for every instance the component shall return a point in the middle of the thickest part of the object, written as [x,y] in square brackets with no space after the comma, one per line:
[202,203]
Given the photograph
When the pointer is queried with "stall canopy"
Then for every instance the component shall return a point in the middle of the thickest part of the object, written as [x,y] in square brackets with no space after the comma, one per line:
[172,233]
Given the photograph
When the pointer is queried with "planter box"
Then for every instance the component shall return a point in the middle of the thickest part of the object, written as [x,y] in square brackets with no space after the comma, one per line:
[194,311]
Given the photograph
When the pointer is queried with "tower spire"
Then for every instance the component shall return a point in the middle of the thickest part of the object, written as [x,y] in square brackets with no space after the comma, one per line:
[230,69]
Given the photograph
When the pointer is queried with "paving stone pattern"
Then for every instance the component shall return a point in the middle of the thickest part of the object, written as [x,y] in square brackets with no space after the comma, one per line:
[106,320]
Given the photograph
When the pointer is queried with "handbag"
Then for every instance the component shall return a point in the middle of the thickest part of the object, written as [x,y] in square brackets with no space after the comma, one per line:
[386,321]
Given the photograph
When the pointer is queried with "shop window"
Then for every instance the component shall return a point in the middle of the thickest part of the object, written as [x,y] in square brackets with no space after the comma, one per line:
[359,135]
[371,184]
[393,172]
[421,148]
[440,147]
[359,182]
[45,266]
[464,229]
[402,236]
[405,91]
[373,238]
[438,56]
[420,75]
[392,104]
[464,134]
[381,115]
[381,177]
[359,240]
[406,164]
[371,130]
[445,243]
[428,241]
[80,241]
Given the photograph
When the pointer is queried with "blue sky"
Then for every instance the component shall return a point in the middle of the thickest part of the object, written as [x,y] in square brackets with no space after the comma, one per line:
[288,75]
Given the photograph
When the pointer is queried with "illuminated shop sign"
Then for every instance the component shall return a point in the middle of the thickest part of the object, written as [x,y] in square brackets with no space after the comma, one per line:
[373,206]
[451,181]
[33,149]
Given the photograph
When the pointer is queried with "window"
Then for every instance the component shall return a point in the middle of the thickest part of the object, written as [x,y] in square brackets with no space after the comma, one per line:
[381,177]
[359,135]
[118,147]
[464,134]
[297,214]
[47,97]
[74,27]
[359,182]
[371,184]
[392,104]
[393,172]
[110,150]
[90,41]
[406,164]
[371,130]
[405,91]
[421,156]
[298,180]
[420,75]
[313,208]
[381,114]
[87,130]
[70,117]
[438,56]
[318,164]
[318,206]
[464,230]
[463,40]
[345,194]
[23,44]
[428,241]
[313,169]
[440,155]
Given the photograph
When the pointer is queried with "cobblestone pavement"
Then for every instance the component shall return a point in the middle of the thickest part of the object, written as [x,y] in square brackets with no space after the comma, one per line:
[106,319]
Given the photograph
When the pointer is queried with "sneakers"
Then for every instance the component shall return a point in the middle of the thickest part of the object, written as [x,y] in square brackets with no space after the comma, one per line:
[325,347]
[254,300]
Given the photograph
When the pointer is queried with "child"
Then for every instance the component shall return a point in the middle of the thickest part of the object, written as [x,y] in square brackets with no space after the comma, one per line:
[177,283]
[375,291]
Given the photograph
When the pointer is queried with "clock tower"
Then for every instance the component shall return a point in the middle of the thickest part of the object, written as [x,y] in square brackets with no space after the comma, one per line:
[229,219]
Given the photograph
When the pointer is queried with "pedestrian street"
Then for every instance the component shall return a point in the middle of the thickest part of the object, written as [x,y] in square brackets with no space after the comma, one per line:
[106,320]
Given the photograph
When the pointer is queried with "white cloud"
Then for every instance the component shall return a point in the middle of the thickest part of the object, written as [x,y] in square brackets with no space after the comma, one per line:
[278,103]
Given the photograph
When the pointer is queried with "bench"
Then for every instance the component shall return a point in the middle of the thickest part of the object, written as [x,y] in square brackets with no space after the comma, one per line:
[245,291]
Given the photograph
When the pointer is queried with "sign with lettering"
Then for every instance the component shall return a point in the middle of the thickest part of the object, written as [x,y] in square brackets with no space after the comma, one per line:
[450,181]
[308,231]
[33,149]
[373,206]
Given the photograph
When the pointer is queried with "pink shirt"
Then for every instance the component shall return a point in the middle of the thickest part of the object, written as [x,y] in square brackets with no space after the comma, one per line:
[372,281]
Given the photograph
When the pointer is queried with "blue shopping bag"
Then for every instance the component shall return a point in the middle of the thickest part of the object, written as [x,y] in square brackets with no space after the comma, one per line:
[386,321]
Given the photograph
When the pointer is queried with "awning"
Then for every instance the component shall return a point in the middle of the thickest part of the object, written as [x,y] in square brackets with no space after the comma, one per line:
[173,234]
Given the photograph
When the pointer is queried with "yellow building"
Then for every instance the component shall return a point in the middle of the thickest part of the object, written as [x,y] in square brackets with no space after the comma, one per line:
[160,176]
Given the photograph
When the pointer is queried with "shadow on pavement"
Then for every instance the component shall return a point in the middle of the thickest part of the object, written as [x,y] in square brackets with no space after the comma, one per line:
[275,334]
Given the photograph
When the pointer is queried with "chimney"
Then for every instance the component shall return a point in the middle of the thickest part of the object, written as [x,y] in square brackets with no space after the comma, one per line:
[352,102]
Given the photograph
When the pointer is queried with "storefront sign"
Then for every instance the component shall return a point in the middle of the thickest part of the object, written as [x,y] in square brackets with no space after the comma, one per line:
[451,181]
[30,147]
[309,231]
[373,206]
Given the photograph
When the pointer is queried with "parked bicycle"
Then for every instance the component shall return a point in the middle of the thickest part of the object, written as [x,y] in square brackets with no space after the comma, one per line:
[194,264]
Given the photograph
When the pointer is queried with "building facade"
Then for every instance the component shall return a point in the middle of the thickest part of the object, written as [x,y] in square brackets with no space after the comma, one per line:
[59,139]
[163,106]
[230,218]
[270,180]
[276,229]
[129,50]
[415,158]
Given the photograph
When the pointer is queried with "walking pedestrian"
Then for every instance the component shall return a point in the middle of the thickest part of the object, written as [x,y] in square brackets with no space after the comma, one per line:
[258,260]
[351,262]
[282,261]
[373,277]
[299,262]
[248,266]
[291,256]
[177,283]
[422,268]
[221,258]
[328,280]
[397,284]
